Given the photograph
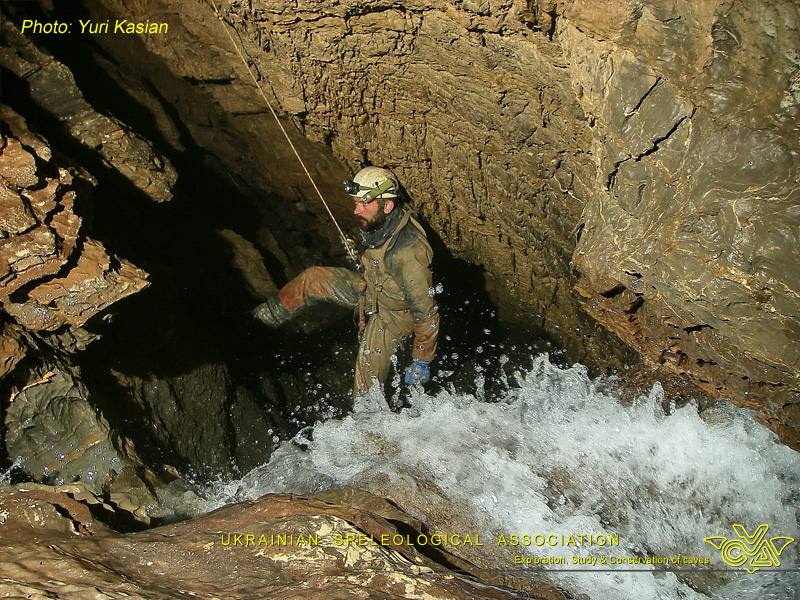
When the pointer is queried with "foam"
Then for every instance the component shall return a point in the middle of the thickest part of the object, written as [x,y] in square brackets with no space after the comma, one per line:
[562,454]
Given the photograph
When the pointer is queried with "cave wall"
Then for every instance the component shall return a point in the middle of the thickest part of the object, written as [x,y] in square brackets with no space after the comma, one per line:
[689,248]
[481,126]
[53,279]
[662,137]
[641,153]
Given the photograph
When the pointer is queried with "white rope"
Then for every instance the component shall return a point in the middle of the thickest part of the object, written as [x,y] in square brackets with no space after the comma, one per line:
[345,241]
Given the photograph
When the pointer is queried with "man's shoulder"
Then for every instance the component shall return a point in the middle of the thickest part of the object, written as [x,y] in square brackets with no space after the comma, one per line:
[410,241]
[411,232]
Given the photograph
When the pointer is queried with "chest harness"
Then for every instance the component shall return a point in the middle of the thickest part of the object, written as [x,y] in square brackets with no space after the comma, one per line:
[379,289]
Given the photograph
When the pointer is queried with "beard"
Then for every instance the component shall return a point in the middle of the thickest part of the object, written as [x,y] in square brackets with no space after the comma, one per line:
[368,225]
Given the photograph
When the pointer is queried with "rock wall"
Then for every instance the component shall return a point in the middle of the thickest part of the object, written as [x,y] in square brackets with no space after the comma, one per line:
[689,245]
[280,546]
[663,138]
[473,111]
[53,279]
[157,373]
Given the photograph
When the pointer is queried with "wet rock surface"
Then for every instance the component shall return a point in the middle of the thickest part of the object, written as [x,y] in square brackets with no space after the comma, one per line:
[159,372]
[54,279]
[280,545]
[689,244]
[444,517]
[58,435]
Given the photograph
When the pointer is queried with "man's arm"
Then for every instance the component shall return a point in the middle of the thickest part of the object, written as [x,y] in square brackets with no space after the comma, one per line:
[416,280]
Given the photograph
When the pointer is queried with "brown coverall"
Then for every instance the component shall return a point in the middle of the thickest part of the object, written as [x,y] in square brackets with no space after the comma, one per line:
[399,298]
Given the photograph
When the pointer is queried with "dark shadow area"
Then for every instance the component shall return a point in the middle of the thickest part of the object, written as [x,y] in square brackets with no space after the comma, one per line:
[196,309]
[477,352]
[9,382]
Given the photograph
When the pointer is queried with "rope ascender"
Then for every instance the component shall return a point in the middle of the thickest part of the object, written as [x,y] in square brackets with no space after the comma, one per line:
[346,242]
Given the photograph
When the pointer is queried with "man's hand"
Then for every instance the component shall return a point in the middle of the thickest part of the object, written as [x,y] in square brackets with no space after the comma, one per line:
[420,372]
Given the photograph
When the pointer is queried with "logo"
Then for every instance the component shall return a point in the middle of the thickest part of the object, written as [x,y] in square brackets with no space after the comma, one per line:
[761,552]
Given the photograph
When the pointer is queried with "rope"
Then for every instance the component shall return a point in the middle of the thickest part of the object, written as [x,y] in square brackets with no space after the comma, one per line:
[347,243]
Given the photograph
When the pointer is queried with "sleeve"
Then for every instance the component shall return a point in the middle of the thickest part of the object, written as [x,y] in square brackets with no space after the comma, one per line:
[413,272]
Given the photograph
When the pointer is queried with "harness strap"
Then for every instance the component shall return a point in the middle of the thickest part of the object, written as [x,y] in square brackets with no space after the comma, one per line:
[362,321]
[375,287]
[376,273]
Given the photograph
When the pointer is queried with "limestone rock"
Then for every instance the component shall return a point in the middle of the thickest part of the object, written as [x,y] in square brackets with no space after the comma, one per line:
[41,233]
[189,419]
[689,246]
[12,348]
[96,282]
[39,226]
[248,261]
[632,125]
[53,434]
[53,89]
[279,546]
[52,280]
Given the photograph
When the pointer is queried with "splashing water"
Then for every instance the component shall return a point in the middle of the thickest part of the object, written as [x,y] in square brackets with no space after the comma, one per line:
[5,475]
[562,455]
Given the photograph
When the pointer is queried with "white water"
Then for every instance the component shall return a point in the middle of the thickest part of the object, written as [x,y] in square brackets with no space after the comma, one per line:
[561,455]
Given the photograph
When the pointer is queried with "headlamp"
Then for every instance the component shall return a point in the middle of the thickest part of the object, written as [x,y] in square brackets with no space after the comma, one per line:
[352,188]
[355,189]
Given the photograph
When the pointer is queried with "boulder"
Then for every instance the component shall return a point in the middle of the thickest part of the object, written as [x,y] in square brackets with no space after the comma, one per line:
[348,545]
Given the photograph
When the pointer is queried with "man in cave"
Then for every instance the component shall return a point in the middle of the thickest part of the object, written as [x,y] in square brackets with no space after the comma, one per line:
[393,291]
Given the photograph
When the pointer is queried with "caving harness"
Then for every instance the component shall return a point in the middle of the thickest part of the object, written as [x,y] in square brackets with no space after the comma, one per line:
[379,289]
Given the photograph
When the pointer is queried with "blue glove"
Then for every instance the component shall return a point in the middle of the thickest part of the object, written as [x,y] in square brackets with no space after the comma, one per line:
[420,372]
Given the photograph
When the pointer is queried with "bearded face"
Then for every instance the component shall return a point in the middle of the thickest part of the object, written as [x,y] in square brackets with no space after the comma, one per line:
[371,216]
[373,223]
